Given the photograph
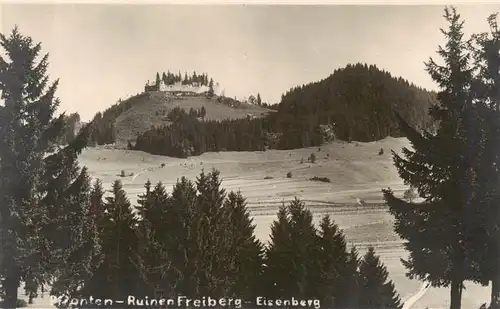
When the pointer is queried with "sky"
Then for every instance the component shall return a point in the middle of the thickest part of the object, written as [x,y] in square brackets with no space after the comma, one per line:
[105,52]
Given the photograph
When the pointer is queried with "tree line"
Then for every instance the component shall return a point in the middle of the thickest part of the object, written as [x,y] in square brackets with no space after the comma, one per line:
[188,135]
[171,78]
[200,241]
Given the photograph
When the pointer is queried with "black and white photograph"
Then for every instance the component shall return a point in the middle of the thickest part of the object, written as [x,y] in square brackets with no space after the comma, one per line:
[216,155]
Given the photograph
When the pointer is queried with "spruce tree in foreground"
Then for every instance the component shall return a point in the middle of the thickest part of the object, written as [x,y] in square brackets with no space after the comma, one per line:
[207,224]
[243,252]
[179,237]
[292,264]
[375,289]
[35,187]
[486,86]
[158,233]
[121,272]
[277,261]
[335,277]
[76,233]
[353,285]
[439,232]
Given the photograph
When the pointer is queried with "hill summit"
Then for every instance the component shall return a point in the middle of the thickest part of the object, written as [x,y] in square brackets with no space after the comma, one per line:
[179,86]
[123,122]
[360,101]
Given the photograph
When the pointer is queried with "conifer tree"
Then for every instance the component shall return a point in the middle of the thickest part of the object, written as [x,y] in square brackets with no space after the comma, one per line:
[211,88]
[29,201]
[334,276]
[210,232]
[243,253]
[376,290]
[353,284]
[297,260]
[203,112]
[180,239]
[158,80]
[156,264]
[486,88]
[77,235]
[121,273]
[259,100]
[97,205]
[277,257]
[440,168]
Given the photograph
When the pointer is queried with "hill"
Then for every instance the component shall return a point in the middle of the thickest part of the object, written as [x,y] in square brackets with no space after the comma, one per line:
[124,121]
[360,101]
[355,103]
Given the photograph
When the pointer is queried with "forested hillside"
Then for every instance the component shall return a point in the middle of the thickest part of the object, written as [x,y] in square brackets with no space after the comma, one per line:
[360,100]
[127,119]
[354,103]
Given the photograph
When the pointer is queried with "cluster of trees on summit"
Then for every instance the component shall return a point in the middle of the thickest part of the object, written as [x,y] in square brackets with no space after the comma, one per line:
[59,230]
[171,78]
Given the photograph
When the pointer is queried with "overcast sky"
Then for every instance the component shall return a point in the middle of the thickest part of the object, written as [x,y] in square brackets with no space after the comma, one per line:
[105,52]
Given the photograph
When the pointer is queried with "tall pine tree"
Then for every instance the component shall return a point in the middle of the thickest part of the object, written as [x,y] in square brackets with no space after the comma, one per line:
[438,232]
[158,236]
[77,235]
[334,275]
[292,263]
[207,217]
[180,239]
[353,285]
[121,272]
[243,252]
[277,263]
[32,202]
[486,89]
